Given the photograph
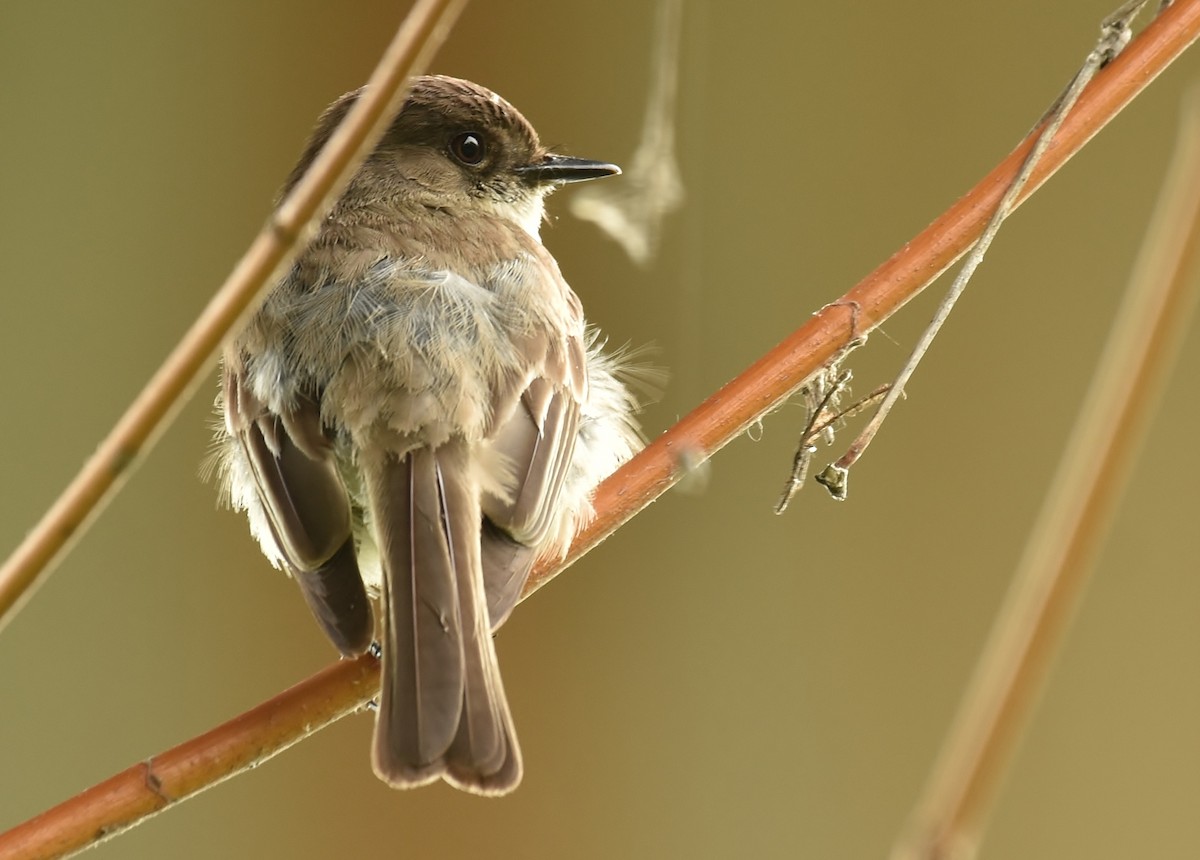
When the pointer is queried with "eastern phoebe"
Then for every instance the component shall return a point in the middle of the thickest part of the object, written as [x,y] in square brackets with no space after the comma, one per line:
[419,411]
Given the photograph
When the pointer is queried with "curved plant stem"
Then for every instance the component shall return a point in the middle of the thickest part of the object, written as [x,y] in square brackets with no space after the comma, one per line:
[133,795]
[284,235]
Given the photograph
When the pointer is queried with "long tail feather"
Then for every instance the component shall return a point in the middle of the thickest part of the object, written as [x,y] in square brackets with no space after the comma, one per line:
[442,709]
[422,690]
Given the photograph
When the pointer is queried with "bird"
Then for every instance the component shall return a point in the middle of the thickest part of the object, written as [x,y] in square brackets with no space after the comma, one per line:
[418,410]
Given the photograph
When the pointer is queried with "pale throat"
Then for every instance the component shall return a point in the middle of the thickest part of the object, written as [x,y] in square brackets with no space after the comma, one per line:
[528,212]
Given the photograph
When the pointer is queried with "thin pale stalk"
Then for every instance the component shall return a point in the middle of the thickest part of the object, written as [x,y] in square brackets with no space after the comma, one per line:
[1060,556]
[285,234]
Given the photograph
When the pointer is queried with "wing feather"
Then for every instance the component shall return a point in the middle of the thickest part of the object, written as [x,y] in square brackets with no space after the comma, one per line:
[306,508]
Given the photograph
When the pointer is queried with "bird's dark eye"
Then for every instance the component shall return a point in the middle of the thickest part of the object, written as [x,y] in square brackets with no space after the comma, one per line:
[469,148]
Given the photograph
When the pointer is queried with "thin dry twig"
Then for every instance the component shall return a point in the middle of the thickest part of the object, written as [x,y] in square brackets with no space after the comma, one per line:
[1115,34]
[343,687]
[824,412]
[1095,469]
[770,380]
[285,234]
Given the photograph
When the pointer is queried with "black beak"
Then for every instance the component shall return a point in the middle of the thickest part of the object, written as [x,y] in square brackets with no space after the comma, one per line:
[563,168]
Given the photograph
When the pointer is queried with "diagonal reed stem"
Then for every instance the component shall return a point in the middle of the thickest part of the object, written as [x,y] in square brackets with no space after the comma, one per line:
[285,234]
[1095,468]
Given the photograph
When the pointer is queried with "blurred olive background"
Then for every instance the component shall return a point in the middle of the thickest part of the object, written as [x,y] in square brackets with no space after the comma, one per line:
[714,681]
